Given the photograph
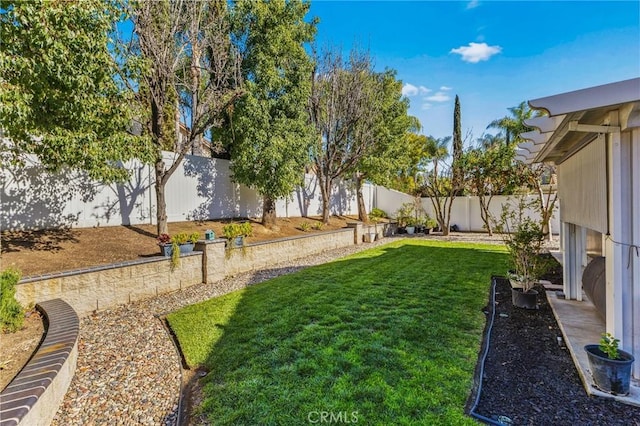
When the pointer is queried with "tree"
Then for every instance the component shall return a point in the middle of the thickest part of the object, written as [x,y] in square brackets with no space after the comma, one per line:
[387,125]
[541,178]
[189,74]
[457,148]
[490,171]
[270,132]
[533,174]
[438,182]
[513,125]
[341,91]
[59,93]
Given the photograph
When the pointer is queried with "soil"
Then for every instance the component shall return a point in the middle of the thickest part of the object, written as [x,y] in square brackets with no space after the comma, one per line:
[530,379]
[17,348]
[56,250]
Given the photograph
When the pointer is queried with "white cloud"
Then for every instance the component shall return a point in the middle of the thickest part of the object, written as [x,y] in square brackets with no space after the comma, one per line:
[425,106]
[438,97]
[473,4]
[411,90]
[445,88]
[476,52]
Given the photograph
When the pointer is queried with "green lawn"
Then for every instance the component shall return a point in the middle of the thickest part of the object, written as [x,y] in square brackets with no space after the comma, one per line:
[387,336]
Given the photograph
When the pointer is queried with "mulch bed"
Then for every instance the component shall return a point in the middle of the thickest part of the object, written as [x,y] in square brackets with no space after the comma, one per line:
[530,379]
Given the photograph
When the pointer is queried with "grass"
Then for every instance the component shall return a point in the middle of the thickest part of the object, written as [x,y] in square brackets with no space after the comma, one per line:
[386,336]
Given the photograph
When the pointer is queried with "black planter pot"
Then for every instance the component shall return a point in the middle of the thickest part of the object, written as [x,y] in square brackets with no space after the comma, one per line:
[528,300]
[610,375]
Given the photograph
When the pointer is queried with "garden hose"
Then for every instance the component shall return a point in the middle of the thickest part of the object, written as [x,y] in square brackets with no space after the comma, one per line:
[483,357]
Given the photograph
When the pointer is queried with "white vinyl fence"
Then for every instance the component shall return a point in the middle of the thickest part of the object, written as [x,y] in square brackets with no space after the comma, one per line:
[200,189]
[465,212]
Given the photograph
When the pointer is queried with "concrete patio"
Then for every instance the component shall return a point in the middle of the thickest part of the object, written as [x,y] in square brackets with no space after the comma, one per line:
[581,325]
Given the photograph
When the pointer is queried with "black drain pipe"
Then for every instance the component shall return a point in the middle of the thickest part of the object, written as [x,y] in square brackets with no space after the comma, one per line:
[483,357]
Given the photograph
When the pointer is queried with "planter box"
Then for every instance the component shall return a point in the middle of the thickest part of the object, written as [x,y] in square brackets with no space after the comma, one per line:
[186,248]
[167,250]
[235,242]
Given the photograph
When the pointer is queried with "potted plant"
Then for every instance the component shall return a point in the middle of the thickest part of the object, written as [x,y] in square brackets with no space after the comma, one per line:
[411,222]
[403,215]
[523,237]
[178,244]
[236,232]
[164,241]
[184,242]
[610,366]
[429,224]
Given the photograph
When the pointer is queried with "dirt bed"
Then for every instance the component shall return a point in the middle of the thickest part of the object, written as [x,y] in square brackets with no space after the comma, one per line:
[16,348]
[56,250]
[531,380]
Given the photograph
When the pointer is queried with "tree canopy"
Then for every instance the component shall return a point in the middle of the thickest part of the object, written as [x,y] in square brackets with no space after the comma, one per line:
[269,133]
[59,94]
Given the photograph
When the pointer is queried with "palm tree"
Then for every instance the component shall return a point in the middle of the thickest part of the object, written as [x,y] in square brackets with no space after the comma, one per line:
[514,125]
[488,141]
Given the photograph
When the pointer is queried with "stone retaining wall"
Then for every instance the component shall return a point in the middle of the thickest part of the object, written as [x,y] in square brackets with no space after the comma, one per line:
[111,285]
[107,286]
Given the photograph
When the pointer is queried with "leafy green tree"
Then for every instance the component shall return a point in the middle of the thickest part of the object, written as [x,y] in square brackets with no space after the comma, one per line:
[270,132]
[60,97]
[387,125]
[188,73]
[489,172]
[414,155]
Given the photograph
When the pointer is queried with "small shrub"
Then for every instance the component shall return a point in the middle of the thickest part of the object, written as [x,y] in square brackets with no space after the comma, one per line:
[235,229]
[609,345]
[377,214]
[164,239]
[318,226]
[11,313]
[305,226]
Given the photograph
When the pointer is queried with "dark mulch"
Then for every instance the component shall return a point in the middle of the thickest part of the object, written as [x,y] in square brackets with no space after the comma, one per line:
[531,380]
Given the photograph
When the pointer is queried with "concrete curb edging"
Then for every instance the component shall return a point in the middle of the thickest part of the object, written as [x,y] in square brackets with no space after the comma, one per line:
[34,395]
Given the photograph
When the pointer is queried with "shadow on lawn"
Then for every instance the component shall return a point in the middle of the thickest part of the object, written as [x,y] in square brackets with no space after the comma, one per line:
[349,335]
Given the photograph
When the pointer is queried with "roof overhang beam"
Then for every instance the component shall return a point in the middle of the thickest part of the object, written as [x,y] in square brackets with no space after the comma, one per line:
[575,126]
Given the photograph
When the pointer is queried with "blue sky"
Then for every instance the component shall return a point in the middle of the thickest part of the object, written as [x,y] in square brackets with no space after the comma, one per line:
[492,54]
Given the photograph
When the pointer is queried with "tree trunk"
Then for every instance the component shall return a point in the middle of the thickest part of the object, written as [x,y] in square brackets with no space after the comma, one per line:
[161,201]
[325,190]
[362,211]
[484,213]
[268,212]
[447,216]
